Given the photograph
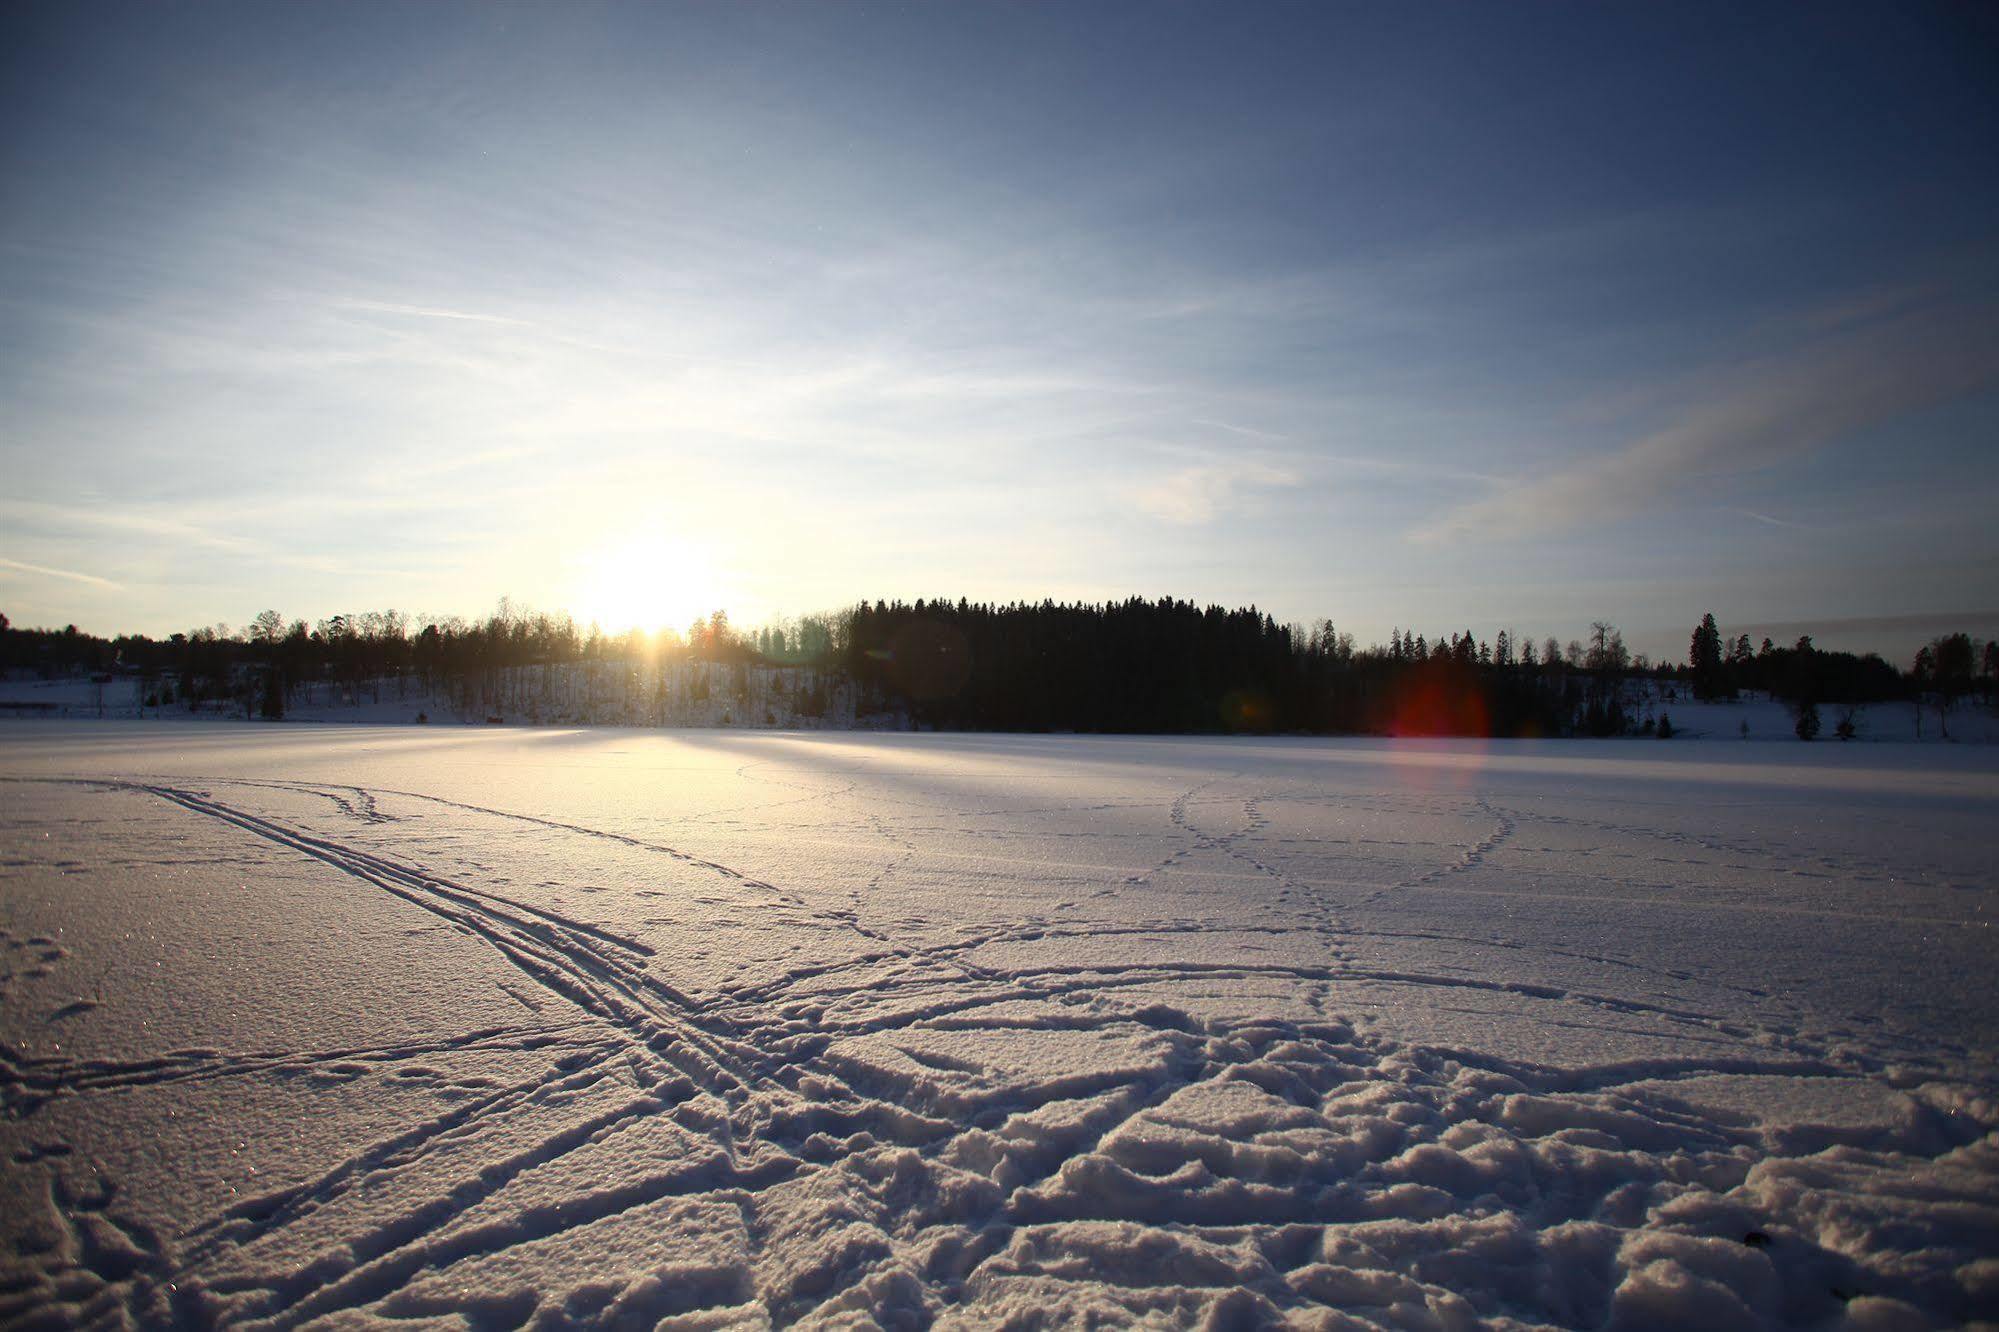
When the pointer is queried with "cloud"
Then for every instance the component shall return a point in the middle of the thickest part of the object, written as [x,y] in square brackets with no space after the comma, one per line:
[66,518]
[1250,431]
[69,574]
[1771,520]
[428,312]
[1193,496]
[1768,412]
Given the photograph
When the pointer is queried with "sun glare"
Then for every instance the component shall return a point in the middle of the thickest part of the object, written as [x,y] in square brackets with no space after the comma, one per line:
[648,582]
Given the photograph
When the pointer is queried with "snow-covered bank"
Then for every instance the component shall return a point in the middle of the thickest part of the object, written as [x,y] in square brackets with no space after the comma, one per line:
[774,697]
[1760,717]
[618,1025]
[604,693]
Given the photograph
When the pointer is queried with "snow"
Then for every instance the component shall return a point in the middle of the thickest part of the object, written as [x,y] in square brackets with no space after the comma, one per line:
[610,692]
[1767,718]
[701,695]
[340,1025]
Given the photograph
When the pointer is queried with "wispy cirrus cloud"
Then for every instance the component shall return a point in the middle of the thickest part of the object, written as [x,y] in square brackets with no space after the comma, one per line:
[67,575]
[1756,416]
[428,312]
[1194,496]
[81,520]
[1771,520]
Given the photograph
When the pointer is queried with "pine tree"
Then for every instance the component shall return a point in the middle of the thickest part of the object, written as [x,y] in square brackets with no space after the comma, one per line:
[1704,656]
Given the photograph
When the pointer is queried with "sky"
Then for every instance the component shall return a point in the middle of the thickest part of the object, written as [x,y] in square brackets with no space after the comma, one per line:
[1437,317]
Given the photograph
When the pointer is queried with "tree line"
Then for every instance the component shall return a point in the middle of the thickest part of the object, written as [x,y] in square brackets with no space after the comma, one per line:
[1132,666]
[1946,670]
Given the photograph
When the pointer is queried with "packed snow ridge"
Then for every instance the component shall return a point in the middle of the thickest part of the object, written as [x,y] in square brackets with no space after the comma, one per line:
[614,1028]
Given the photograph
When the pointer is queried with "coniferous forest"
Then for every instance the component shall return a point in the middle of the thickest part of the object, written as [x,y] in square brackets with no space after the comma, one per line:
[1133,666]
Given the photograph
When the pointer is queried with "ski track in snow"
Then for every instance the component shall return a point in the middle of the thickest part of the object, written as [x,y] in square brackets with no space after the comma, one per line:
[987,1032]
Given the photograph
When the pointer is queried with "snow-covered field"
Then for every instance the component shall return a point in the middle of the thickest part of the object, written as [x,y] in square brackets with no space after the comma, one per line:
[612,1027]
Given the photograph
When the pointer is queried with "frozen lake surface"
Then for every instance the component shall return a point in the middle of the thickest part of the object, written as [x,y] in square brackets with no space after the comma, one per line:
[615,1027]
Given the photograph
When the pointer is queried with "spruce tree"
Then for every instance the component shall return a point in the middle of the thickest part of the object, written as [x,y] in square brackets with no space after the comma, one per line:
[1704,656]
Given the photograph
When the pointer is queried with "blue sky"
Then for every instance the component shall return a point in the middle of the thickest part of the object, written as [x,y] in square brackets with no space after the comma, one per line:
[1445,317]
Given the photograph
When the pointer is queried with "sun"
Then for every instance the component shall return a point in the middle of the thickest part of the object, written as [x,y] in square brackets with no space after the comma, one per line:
[648,581]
